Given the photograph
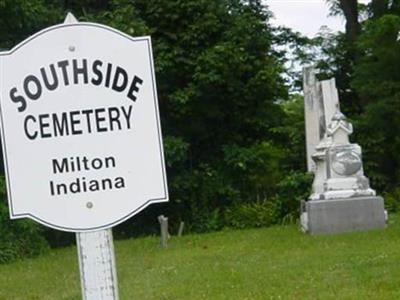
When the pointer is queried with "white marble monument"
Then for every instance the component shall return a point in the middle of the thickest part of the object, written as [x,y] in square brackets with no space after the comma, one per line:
[341,198]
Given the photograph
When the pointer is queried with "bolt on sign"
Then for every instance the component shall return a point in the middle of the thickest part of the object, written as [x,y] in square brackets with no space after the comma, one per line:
[80,128]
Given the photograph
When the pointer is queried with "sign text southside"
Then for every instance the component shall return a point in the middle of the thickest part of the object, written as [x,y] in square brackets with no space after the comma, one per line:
[76,122]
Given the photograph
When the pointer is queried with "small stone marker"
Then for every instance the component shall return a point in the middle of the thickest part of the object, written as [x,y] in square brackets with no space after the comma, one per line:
[181,226]
[81,137]
[164,231]
[341,198]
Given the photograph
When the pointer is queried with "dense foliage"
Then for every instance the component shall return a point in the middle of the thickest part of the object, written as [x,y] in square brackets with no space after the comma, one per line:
[20,238]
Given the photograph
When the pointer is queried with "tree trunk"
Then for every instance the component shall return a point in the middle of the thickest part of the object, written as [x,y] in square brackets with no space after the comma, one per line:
[350,11]
[379,8]
[394,7]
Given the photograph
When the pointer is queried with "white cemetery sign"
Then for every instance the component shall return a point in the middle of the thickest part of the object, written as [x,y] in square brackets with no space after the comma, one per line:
[80,127]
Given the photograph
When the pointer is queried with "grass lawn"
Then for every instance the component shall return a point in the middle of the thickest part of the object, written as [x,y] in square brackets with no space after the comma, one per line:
[271,263]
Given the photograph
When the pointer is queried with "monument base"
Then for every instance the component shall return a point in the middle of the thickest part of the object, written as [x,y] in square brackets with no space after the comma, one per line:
[343,215]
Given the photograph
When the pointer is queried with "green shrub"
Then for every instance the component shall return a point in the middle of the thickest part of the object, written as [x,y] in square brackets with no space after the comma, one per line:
[18,238]
[392,200]
[294,188]
[249,215]
[206,221]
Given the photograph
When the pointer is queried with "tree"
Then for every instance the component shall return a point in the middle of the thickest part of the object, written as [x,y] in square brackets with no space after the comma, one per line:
[19,19]
[218,82]
[376,76]
[350,12]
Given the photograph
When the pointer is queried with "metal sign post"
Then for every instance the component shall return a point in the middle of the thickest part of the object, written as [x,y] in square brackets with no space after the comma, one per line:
[97,265]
